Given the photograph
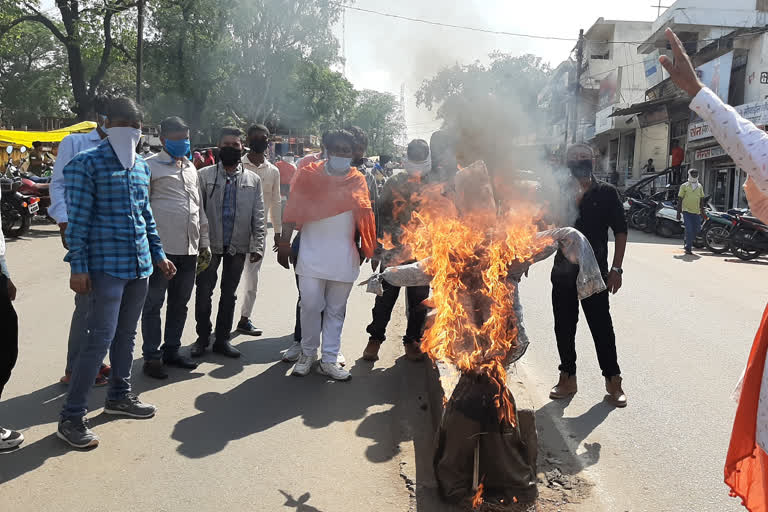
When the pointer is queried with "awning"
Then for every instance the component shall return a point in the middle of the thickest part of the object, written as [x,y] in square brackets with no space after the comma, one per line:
[22,138]
[639,108]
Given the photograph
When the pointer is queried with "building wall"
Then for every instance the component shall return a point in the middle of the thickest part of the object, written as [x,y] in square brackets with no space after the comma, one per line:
[757,63]
[733,13]
[651,142]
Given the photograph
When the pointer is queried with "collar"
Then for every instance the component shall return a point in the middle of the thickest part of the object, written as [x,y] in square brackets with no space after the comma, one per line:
[164,158]
[246,161]
[94,135]
[235,174]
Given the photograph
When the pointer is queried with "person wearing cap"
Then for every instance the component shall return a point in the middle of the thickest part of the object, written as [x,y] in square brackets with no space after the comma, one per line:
[599,208]
[398,201]
[71,146]
[176,200]
[691,206]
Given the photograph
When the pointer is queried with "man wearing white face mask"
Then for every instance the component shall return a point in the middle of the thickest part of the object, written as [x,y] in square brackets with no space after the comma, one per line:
[398,200]
[690,205]
[113,242]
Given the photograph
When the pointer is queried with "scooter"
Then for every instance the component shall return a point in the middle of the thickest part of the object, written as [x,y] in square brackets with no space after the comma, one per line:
[667,224]
[748,238]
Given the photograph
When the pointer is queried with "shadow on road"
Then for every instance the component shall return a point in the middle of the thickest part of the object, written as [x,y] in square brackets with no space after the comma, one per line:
[30,457]
[300,503]
[688,258]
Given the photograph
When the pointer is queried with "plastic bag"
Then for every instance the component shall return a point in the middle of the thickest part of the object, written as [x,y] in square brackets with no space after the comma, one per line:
[577,250]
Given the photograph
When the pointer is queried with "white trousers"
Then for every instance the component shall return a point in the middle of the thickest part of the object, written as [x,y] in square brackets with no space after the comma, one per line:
[251,283]
[323,308]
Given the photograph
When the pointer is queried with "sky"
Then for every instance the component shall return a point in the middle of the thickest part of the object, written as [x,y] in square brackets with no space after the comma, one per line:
[383,53]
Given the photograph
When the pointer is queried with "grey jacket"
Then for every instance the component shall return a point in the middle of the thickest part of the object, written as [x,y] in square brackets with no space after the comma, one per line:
[250,231]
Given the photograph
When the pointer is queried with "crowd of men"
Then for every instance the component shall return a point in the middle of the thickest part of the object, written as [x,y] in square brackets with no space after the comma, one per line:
[144,232]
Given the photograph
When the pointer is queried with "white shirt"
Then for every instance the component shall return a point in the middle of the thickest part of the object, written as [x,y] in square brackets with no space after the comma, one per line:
[270,186]
[174,194]
[3,265]
[327,249]
[69,147]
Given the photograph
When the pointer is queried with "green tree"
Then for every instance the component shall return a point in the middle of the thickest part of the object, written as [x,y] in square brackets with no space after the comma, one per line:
[87,31]
[379,115]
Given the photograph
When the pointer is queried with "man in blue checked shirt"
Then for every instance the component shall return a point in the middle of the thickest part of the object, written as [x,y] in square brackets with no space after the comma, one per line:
[113,242]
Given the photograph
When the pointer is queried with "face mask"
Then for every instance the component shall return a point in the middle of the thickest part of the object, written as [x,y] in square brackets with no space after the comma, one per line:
[418,168]
[229,156]
[338,165]
[102,122]
[288,159]
[259,145]
[693,179]
[177,148]
[124,140]
[581,168]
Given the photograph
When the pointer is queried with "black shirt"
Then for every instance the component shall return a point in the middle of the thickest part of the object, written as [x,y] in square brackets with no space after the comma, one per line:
[600,208]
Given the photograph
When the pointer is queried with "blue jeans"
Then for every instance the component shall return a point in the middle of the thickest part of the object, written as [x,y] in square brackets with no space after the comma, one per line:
[78,330]
[179,292]
[692,228]
[114,310]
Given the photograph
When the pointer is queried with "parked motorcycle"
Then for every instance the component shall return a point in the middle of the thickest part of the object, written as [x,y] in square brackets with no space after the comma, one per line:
[717,229]
[748,238]
[31,185]
[16,208]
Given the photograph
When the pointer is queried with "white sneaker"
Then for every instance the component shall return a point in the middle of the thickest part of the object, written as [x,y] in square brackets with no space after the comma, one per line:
[334,371]
[341,359]
[10,439]
[291,355]
[304,365]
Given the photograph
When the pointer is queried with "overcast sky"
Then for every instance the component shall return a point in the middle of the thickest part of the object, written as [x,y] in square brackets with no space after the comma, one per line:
[382,53]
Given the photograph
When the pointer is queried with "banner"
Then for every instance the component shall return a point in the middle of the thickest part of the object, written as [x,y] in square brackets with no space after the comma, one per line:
[716,74]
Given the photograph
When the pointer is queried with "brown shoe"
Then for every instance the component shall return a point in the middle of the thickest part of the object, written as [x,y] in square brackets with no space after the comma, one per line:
[615,394]
[413,351]
[371,352]
[565,388]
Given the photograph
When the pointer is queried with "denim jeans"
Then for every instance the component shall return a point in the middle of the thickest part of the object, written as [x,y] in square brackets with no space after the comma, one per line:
[78,330]
[114,310]
[692,228]
[179,292]
[9,340]
[232,269]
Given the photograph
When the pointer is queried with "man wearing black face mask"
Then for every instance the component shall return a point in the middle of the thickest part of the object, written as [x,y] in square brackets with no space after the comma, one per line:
[234,205]
[599,208]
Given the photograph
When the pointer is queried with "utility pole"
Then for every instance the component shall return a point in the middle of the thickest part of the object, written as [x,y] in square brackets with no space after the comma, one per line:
[577,91]
[140,50]
[660,7]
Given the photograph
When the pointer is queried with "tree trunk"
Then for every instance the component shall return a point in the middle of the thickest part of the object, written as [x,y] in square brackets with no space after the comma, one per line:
[83,100]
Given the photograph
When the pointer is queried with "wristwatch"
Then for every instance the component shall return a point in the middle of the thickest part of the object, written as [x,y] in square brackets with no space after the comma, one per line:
[617,270]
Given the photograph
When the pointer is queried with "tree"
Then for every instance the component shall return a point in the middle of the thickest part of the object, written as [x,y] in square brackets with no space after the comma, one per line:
[379,115]
[86,33]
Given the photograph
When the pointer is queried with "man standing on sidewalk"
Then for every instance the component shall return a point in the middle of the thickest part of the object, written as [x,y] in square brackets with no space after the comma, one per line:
[690,205]
[70,147]
[254,161]
[9,342]
[234,205]
[398,200]
[112,241]
[599,208]
[176,200]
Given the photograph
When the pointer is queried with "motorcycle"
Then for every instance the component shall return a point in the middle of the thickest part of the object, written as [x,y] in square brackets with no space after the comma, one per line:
[748,238]
[717,229]
[16,208]
[31,185]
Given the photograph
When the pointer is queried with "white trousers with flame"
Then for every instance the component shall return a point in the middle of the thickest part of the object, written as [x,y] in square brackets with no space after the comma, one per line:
[323,308]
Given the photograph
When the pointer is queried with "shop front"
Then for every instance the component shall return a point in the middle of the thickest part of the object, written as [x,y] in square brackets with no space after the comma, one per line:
[720,177]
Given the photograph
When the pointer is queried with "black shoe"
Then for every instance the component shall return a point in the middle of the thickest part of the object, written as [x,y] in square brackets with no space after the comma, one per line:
[179,361]
[248,328]
[225,349]
[154,369]
[130,406]
[198,349]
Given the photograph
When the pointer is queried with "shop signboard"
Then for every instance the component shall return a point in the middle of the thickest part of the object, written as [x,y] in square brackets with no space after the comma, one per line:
[603,121]
[756,112]
[707,153]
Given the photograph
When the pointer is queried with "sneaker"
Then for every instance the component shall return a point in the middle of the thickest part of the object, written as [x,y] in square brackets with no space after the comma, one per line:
[248,328]
[292,354]
[334,371]
[130,405]
[105,370]
[154,369]
[101,379]
[75,432]
[10,439]
[304,365]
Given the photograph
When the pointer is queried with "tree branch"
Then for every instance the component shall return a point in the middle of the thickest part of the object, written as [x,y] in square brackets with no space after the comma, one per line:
[124,51]
[37,18]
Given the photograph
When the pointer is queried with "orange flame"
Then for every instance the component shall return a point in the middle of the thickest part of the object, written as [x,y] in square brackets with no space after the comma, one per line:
[468,255]
[478,499]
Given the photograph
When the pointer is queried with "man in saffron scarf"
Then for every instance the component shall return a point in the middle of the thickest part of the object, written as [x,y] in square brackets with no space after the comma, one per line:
[329,203]
[746,466]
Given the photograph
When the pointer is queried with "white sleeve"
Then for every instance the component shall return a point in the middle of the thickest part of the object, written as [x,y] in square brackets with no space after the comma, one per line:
[58,208]
[741,139]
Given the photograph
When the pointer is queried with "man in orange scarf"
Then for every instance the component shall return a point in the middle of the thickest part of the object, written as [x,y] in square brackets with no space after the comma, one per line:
[329,203]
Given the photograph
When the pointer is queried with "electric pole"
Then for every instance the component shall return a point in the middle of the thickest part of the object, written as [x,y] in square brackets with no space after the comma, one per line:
[577,91]
[140,50]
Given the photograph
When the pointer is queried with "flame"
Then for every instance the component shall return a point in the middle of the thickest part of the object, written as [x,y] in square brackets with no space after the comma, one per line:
[386,242]
[468,254]
[478,499]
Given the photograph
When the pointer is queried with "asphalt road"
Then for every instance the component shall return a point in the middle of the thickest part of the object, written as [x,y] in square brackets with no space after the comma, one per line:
[684,328]
[233,435]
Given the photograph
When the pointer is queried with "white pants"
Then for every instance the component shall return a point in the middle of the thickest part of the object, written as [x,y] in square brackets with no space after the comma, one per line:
[251,283]
[329,299]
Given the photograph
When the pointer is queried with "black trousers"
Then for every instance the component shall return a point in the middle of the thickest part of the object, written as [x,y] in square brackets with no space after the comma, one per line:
[565,306]
[382,312]
[297,327]
[9,334]
[232,269]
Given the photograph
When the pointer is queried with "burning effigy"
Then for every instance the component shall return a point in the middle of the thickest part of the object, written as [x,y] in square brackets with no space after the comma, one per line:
[472,251]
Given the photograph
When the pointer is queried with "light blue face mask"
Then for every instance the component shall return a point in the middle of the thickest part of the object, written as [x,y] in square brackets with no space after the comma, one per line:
[178,148]
[338,165]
